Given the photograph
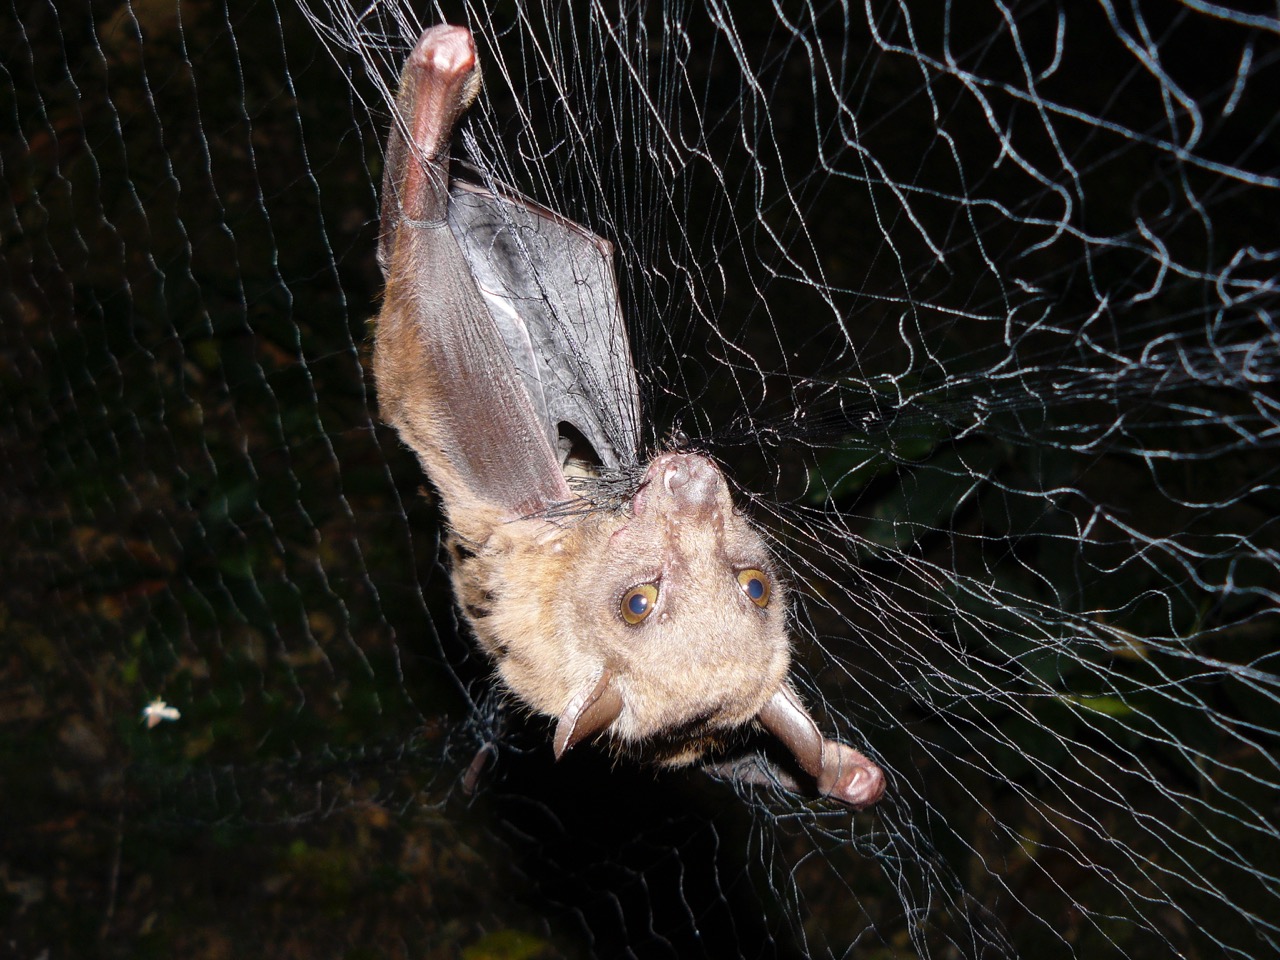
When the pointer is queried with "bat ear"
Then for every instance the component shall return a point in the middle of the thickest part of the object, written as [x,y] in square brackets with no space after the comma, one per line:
[587,713]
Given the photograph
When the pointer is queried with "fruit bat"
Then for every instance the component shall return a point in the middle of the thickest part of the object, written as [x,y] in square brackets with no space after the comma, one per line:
[654,617]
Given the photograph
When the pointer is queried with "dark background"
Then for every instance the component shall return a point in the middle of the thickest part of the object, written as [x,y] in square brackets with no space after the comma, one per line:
[199,502]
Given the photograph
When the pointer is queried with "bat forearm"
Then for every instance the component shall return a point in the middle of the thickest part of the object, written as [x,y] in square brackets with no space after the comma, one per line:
[445,379]
[840,772]
[439,81]
[442,81]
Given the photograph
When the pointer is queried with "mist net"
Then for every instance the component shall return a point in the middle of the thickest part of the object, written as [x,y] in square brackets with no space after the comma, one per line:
[975,302]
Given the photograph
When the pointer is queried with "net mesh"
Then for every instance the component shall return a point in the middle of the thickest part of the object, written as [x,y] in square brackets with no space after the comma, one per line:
[975,303]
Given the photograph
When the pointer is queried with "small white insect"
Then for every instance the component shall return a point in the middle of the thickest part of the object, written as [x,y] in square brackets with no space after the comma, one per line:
[157,710]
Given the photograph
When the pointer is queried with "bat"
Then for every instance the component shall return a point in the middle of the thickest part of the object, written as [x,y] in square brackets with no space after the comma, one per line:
[654,618]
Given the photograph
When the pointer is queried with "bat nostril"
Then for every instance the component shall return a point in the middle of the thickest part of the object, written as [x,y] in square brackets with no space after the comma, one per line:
[675,477]
[680,475]
[693,481]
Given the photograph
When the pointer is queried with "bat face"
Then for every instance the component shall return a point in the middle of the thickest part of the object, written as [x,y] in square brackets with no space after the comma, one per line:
[674,595]
[660,622]
[695,617]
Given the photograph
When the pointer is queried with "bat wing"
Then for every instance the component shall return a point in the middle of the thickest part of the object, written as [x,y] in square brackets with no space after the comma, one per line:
[445,380]
[550,288]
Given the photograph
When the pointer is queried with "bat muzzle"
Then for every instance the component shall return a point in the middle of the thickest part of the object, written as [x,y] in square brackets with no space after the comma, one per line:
[685,483]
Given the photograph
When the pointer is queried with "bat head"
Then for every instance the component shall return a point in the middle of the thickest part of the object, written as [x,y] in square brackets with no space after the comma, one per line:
[665,621]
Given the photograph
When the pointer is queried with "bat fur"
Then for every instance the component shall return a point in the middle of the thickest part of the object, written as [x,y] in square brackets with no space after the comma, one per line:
[492,303]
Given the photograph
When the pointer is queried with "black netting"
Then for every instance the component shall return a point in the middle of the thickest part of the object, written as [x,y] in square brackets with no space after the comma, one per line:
[977,305]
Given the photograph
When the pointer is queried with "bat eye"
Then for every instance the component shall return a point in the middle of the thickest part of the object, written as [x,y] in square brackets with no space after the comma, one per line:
[755,584]
[638,602]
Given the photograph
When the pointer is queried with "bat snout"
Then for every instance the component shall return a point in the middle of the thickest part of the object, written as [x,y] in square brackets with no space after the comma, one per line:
[688,482]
